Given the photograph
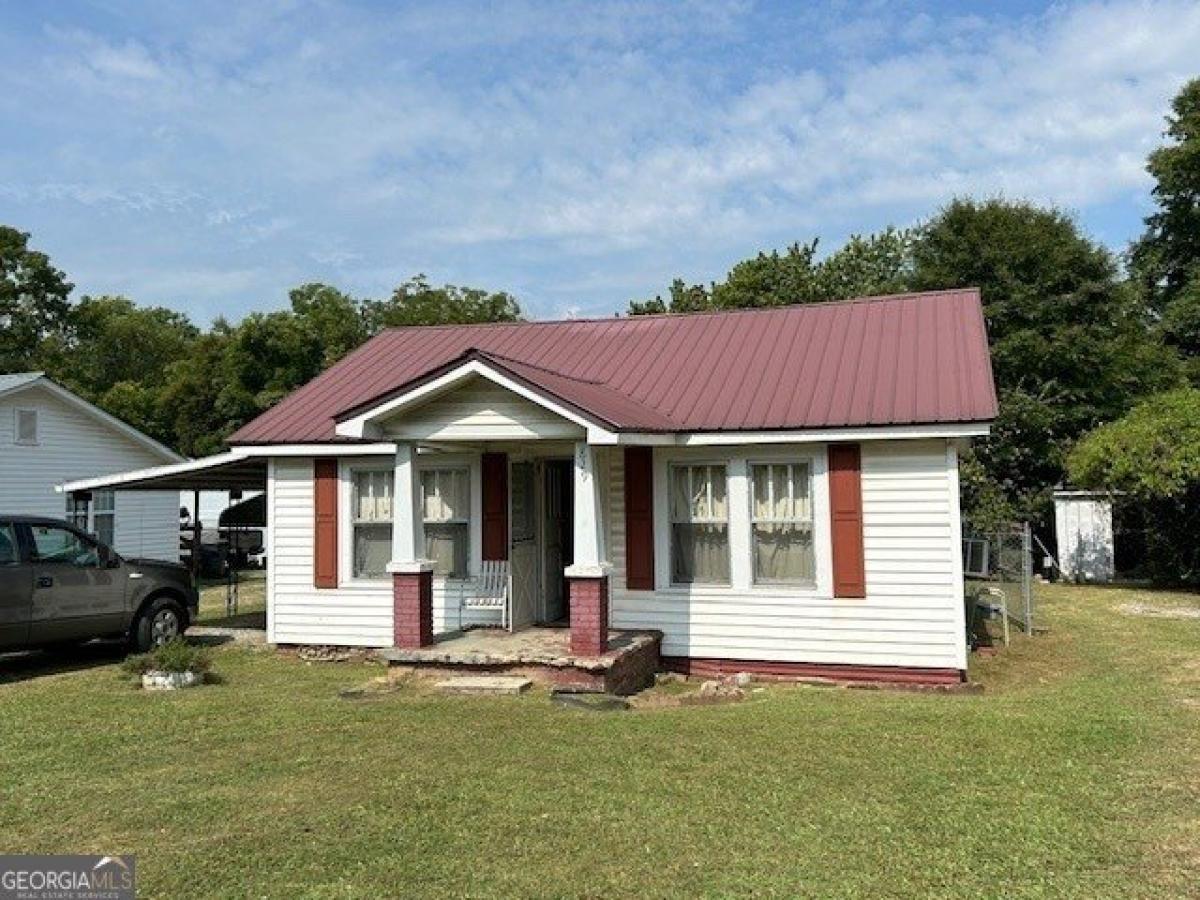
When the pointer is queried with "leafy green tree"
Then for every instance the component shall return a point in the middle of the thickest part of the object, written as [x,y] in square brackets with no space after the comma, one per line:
[34,309]
[334,319]
[1153,455]
[1069,340]
[194,402]
[1167,257]
[876,264]
[866,266]
[268,356]
[1181,326]
[417,302]
[117,341]
[140,406]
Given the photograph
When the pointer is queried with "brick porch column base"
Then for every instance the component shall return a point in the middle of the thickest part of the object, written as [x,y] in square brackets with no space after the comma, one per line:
[412,607]
[589,614]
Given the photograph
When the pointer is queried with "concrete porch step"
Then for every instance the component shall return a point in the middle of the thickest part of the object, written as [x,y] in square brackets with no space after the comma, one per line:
[504,685]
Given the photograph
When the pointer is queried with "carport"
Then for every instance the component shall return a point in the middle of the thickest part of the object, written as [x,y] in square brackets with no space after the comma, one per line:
[234,471]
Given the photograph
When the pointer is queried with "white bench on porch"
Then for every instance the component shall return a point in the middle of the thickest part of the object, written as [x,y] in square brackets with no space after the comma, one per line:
[492,591]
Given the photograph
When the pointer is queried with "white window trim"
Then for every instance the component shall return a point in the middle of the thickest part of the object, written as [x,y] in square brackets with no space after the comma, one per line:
[346,465]
[738,460]
[94,514]
[800,459]
[37,427]
[91,514]
[727,521]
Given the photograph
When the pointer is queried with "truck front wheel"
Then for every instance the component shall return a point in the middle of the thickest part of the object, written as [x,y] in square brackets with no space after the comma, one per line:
[161,621]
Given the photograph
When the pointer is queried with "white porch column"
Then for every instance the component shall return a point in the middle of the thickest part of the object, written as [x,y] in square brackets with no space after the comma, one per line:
[590,552]
[408,533]
[412,576]
[587,576]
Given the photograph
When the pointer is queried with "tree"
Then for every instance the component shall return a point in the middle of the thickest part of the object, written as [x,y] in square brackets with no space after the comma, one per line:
[34,309]
[416,302]
[1069,339]
[1167,257]
[683,298]
[1153,455]
[194,400]
[865,266]
[1181,326]
[115,340]
[336,321]
[876,264]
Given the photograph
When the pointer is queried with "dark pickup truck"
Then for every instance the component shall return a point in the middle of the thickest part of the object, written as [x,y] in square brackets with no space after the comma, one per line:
[59,585]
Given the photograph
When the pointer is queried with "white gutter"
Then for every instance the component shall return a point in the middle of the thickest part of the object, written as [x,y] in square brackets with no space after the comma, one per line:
[122,478]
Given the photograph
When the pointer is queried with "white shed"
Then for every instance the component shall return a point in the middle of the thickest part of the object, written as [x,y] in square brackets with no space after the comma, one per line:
[1083,524]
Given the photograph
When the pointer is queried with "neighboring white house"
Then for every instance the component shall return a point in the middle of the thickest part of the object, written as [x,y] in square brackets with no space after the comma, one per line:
[774,490]
[49,435]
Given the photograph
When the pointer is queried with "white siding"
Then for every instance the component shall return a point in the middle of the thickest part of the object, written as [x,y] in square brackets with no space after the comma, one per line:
[73,445]
[480,410]
[351,615]
[147,524]
[911,616]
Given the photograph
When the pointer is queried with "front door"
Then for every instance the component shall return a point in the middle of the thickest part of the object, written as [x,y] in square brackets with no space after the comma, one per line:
[523,553]
[559,525]
[16,590]
[75,595]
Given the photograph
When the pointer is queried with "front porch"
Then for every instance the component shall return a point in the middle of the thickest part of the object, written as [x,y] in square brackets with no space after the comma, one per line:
[626,666]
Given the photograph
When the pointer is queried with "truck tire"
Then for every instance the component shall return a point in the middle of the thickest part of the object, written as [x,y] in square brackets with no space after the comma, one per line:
[160,621]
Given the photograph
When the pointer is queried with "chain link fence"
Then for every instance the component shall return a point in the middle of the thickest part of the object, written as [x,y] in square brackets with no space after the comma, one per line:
[1002,558]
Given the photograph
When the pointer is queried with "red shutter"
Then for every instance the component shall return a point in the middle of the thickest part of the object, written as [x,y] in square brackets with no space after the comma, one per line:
[639,519]
[845,508]
[495,506]
[325,532]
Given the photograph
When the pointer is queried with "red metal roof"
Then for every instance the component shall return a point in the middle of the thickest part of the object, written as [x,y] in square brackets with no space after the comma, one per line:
[897,360]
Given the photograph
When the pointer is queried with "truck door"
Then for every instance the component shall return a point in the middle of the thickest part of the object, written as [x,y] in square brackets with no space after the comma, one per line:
[75,594]
[16,590]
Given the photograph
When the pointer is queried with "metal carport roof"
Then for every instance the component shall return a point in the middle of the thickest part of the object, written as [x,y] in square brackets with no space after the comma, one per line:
[234,470]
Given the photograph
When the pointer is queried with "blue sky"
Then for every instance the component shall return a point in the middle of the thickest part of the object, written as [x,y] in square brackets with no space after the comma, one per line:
[210,156]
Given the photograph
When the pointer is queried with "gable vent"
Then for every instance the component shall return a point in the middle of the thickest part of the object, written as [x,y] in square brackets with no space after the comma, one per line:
[27,426]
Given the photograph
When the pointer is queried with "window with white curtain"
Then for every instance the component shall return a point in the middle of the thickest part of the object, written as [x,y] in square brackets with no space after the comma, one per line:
[445,513]
[371,521]
[104,516]
[782,523]
[77,512]
[699,524]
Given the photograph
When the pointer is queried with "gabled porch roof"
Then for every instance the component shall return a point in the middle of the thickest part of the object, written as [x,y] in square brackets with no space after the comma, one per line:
[588,403]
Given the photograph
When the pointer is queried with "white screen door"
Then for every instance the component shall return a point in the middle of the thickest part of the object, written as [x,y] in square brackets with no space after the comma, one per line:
[523,550]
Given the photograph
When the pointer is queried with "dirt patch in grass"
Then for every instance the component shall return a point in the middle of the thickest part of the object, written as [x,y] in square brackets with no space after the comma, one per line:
[1159,612]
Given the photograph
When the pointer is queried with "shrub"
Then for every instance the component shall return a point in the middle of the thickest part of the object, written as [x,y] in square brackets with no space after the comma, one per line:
[177,655]
[1153,456]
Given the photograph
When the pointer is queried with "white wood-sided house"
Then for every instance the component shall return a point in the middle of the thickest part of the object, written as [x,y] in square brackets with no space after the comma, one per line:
[773,490]
[49,436]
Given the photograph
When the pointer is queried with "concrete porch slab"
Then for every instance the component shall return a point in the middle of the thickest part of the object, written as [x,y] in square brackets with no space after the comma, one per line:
[542,654]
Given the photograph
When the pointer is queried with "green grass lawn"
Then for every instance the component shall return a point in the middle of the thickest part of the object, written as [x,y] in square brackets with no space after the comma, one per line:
[252,600]
[1076,774]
